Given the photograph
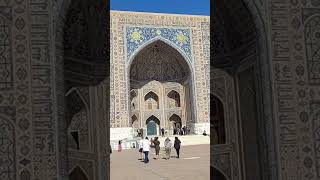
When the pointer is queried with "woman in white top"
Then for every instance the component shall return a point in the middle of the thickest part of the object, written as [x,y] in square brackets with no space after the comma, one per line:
[146,148]
[167,147]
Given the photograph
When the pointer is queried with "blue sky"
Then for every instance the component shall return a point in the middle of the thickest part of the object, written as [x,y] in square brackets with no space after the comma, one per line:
[195,7]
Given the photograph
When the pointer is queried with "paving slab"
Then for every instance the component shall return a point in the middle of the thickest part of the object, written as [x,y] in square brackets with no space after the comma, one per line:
[193,164]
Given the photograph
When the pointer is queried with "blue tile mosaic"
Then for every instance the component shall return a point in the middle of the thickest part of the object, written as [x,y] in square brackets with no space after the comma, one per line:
[137,36]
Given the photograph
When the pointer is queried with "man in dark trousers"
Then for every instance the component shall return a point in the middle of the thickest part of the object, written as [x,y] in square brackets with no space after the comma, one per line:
[162,132]
[177,143]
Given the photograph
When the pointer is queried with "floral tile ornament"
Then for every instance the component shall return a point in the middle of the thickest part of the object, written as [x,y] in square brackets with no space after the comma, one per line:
[137,36]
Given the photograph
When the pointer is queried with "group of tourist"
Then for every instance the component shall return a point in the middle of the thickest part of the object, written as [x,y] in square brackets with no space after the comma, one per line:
[181,131]
[177,131]
[145,145]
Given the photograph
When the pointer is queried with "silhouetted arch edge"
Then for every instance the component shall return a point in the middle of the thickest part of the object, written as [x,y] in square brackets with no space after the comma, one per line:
[82,169]
[219,170]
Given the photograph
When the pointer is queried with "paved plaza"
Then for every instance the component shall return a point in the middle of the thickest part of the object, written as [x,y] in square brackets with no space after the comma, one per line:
[194,164]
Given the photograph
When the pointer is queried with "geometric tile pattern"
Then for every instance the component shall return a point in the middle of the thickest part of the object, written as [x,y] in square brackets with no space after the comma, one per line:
[136,36]
[6,71]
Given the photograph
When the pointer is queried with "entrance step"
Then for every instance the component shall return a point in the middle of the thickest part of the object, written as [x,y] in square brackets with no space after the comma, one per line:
[188,140]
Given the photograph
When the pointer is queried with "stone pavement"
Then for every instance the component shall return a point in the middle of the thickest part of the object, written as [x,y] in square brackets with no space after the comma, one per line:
[194,164]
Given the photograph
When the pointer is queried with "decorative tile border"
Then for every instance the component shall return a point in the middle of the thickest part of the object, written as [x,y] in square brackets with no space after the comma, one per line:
[137,36]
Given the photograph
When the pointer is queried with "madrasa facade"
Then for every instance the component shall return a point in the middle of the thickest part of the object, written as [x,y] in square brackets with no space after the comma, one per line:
[62,98]
[159,73]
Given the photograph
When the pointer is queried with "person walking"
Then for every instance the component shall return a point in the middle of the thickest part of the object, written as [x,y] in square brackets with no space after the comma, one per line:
[167,147]
[141,149]
[177,145]
[162,132]
[146,148]
[156,143]
[151,146]
[120,146]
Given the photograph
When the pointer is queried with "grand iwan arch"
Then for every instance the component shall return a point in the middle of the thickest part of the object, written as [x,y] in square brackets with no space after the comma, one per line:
[165,80]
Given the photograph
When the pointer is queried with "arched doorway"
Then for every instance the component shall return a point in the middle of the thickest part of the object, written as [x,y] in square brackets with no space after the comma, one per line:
[133,99]
[176,123]
[153,126]
[77,174]
[218,135]
[174,99]
[155,70]
[151,101]
[134,122]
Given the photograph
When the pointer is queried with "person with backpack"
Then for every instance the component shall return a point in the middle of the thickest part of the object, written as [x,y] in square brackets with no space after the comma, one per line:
[167,147]
[177,145]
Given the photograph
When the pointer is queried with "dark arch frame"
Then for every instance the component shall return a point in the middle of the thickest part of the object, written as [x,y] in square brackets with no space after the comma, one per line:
[219,113]
[134,120]
[172,95]
[77,173]
[216,174]
[175,121]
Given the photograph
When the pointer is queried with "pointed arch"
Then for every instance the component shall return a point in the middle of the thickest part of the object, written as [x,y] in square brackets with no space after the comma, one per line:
[181,57]
[174,95]
[153,125]
[218,174]
[134,121]
[152,100]
[75,102]
[77,173]
[217,121]
[147,43]
[176,122]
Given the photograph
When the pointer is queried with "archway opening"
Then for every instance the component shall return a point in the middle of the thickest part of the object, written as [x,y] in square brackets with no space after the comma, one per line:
[133,99]
[176,123]
[77,174]
[77,121]
[218,135]
[174,99]
[153,126]
[162,71]
[151,101]
[134,121]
